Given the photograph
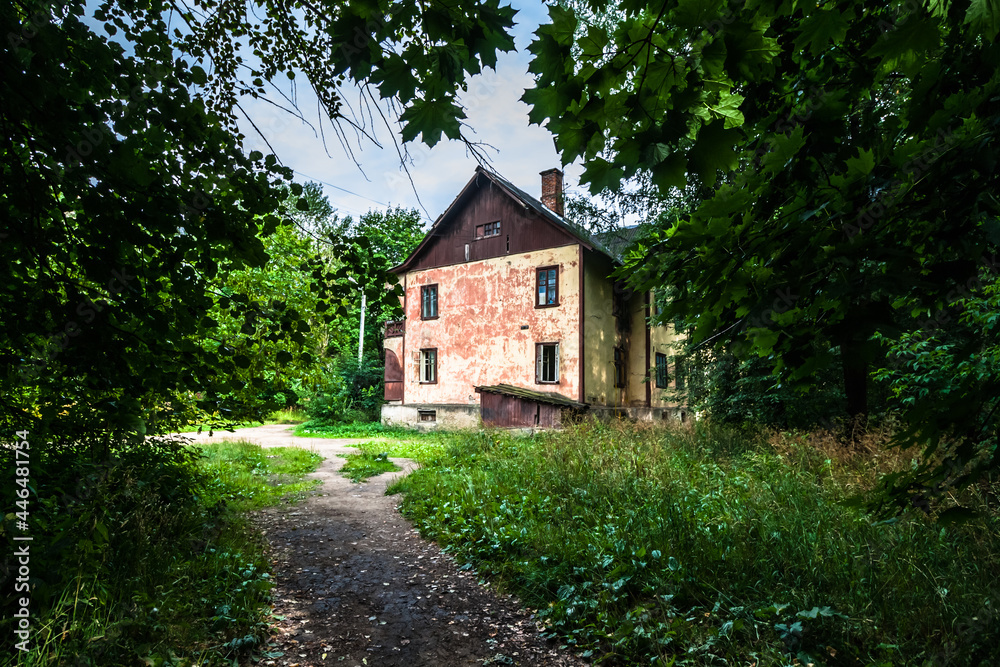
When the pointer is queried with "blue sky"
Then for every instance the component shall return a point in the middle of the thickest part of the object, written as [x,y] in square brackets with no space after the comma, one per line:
[495,117]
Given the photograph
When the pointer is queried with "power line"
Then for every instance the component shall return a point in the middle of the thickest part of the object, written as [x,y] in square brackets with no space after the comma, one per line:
[337,187]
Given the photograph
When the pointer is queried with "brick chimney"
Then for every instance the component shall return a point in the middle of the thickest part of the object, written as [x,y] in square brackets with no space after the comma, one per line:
[552,190]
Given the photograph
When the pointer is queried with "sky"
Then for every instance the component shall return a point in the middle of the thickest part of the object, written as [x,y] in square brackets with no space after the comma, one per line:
[495,117]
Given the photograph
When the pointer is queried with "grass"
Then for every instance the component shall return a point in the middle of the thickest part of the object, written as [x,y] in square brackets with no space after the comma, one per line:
[288,416]
[702,547]
[359,467]
[422,446]
[318,428]
[148,558]
[248,477]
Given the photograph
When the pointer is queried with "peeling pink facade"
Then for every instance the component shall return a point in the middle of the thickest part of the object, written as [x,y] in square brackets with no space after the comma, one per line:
[481,262]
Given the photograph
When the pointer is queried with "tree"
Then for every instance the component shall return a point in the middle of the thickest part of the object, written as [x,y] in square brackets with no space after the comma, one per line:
[127,191]
[846,158]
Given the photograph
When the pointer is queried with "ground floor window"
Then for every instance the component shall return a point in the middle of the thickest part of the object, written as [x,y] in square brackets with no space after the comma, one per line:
[429,366]
[546,362]
[662,376]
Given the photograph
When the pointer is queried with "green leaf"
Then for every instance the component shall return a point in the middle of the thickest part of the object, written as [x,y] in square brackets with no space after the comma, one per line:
[821,29]
[430,119]
[863,164]
[983,16]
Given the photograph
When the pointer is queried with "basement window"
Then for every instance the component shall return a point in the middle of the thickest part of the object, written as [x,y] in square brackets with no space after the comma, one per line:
[547,363]
[427,415]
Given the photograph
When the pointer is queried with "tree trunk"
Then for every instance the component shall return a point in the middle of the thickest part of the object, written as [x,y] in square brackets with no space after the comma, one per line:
[855,385]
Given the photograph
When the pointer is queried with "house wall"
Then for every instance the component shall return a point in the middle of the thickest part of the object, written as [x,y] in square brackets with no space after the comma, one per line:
[599,332]
[638,369]
[482,307]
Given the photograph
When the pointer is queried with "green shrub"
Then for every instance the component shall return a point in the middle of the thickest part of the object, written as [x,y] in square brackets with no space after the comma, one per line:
[140,557]
[352,392]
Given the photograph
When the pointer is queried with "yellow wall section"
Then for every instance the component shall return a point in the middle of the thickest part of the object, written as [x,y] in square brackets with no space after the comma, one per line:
[599,332]
[482,306]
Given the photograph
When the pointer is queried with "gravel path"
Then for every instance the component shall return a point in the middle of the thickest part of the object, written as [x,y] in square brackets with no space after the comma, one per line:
[357,586]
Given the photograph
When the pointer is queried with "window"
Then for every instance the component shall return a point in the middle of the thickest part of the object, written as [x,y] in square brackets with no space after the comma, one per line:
[548,287]
[427,415]
[429,302]
[547,363]
[488,230]
[619,367]
[679,373]
[429,366]
[662,376]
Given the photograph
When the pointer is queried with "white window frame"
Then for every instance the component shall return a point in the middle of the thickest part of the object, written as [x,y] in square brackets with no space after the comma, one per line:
[543,374]
[428,366]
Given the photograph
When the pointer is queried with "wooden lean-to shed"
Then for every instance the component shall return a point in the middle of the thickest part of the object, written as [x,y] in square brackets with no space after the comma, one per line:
[505,405]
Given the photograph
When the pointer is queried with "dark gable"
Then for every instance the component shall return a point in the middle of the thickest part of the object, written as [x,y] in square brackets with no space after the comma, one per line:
[482,202]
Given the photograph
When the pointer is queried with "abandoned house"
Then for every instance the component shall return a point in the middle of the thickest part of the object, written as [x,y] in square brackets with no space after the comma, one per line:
[511,318]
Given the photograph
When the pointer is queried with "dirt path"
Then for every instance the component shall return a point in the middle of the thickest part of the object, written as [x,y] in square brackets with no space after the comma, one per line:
[357,586]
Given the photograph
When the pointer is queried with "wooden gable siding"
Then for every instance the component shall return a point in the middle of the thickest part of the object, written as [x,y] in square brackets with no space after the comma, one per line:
[525,229]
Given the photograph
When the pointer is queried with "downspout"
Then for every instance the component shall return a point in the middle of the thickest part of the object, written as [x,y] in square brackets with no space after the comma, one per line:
[649,384]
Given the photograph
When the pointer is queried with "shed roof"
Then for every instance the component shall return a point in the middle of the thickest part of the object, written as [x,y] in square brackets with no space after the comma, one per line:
[531,395]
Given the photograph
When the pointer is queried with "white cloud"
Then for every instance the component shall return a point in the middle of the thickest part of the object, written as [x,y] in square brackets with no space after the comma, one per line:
[495,117]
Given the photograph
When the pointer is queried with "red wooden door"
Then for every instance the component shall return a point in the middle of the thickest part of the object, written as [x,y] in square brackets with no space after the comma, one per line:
[393,377]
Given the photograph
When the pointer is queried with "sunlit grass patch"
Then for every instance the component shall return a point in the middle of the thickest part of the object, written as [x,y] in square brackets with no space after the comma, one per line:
[318,428]
[249,476]
[287,416]
[359,467]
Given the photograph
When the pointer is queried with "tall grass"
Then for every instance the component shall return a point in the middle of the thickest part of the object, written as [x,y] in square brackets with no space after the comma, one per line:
[145,558]
[704,546]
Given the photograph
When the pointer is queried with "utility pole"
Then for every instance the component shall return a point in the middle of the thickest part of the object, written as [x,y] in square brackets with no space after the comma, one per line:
[361,334]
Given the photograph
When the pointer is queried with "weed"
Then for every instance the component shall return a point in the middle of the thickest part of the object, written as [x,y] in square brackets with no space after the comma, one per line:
[706,546]
[144,558]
